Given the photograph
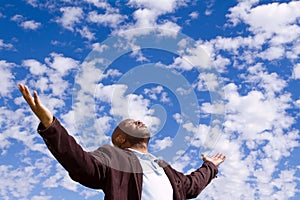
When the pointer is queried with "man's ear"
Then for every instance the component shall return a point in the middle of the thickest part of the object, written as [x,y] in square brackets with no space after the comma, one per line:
[120,139]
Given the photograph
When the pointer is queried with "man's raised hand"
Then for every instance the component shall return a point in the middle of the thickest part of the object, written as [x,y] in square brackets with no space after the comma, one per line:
[37,108]
[216,159]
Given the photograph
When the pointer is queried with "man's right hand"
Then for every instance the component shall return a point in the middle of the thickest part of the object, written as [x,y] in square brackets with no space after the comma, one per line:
[37,108]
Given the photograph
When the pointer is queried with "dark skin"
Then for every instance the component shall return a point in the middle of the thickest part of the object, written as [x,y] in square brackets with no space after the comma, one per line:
[120,137]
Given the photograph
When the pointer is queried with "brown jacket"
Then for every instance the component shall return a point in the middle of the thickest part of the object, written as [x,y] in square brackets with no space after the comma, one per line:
[117,172]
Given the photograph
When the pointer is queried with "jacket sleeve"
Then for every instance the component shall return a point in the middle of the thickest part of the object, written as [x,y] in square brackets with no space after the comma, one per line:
[82,166]
[195,182]
[190,186]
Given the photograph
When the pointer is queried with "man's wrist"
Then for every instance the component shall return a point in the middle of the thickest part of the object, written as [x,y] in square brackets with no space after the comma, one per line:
[47,122]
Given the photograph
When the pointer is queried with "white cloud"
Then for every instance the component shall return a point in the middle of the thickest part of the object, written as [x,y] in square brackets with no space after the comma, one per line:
[4,45]
[30,24]
[50,76]
[168,28]
[243,49]
[199,136]
[98,47]
[155,92]
[178,118]
[86,33]
[216,108]
[160,7]
[161,144]
[207,81]
[272,53]
[88,194]
[183,91]
[270,82]
[164,98]
[275,21]
[274,16]
[43,84]
[107,93]
[261,121]
[99,4]
[41,197]
[33,3]
[296,71]
[221,63]
[87,79]
[12,123]
[7,78]
[127,106]
[181,160]
[286,181]
[108,19]
[26,24]
[71,16]
[60,63]
[194,15]
[192,57]
[297,103]
[19,182]
[103,5]
[111,73]
[232,44]
[104,124]
[259,166]
[17,18]
[60,178]
[294,52]
[35,67]
[254,113]
[147,17]
[59,87]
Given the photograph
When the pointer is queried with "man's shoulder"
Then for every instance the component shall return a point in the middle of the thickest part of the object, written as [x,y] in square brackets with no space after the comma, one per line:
[119,159]
[113,152]
[112,149]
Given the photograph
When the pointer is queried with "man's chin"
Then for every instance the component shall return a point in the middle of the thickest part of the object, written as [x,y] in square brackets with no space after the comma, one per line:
[141,134]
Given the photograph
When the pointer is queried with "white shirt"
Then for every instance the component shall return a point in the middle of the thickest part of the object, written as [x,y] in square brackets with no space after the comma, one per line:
[156,184]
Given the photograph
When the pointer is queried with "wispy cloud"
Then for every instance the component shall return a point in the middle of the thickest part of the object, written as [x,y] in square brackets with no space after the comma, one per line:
[70,17]
[6,46]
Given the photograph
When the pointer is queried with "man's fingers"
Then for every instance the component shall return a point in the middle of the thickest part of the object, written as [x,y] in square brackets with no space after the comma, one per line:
[26,94]
[220,156]
[36,98]
[28,97]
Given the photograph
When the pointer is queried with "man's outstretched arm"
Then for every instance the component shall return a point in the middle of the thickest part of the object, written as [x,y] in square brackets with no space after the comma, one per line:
[82,166]
[200,178]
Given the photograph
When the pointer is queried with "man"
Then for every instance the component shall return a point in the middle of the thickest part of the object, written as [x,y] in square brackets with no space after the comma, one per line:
[125,171]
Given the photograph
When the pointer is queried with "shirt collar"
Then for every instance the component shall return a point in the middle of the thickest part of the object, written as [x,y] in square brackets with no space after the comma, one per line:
[142,155]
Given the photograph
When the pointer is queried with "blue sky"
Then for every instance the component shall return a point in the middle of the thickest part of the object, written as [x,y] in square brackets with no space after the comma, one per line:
[205,76]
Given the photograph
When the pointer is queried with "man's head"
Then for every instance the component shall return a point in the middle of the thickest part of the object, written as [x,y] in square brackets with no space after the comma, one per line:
[130,133]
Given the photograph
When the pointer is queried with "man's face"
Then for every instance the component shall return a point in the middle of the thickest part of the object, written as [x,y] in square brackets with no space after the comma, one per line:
[134,128]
